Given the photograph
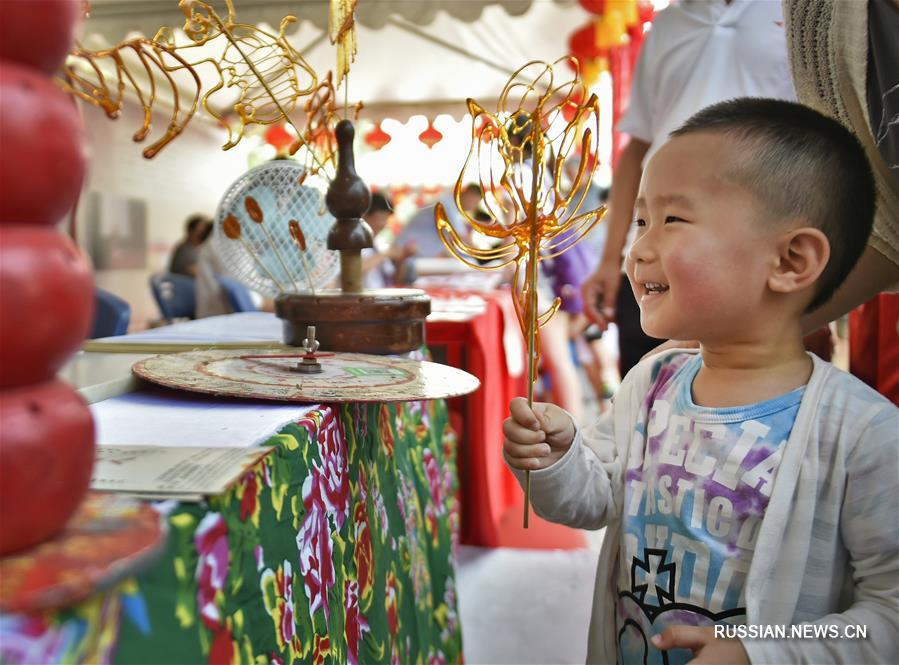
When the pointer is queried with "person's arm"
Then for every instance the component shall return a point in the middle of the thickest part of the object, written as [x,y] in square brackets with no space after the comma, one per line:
[872,274]
[600,290]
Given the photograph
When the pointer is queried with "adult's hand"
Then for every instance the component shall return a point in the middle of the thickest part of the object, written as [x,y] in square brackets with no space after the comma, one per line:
[600,293]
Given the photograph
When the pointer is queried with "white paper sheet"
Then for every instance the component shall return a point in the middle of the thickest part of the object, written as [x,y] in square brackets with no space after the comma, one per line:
[166,471]
[168,418]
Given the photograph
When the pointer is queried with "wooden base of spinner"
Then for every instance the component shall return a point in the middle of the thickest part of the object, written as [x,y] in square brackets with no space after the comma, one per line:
[378,321]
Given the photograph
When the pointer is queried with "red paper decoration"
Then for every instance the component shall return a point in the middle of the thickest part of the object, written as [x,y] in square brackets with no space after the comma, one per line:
[377,138]
[430,137]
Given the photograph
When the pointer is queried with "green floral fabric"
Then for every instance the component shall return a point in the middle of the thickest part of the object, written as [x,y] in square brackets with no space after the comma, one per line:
[335,548]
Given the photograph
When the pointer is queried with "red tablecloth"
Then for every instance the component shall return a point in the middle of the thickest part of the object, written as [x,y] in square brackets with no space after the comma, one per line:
[491,498]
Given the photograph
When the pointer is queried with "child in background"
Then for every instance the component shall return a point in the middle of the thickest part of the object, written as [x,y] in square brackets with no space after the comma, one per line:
[382,269]
[749,482]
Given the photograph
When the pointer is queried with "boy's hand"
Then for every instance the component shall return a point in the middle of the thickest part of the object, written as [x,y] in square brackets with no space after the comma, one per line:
[536,438]
[701,641]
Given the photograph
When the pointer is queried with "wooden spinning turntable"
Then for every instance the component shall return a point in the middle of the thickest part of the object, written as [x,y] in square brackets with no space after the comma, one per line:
[343,377]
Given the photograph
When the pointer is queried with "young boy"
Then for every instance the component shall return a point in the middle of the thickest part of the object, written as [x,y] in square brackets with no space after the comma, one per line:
[750,483]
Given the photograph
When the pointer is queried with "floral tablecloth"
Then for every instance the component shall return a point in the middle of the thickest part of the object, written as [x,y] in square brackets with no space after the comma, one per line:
[335,548]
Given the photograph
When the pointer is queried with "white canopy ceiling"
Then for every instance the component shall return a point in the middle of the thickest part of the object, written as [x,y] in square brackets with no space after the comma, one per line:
[122,16]
[414,56]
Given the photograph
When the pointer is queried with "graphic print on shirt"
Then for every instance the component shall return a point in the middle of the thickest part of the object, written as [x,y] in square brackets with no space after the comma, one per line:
[696,490]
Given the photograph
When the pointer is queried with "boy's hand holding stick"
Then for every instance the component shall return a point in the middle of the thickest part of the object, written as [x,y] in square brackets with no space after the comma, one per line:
[536,437]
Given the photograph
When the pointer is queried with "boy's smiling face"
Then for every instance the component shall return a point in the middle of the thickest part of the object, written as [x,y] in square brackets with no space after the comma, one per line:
[704,247]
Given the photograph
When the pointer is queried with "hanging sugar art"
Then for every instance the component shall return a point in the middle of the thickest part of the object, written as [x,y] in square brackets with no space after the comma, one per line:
[518,153]
[270,74]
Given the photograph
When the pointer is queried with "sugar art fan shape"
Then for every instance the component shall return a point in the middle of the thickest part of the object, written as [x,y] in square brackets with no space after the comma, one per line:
[271,232]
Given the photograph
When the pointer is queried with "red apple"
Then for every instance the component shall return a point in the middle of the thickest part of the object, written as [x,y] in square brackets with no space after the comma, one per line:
[42,165]
[46,458]
[46,302]
[38,33]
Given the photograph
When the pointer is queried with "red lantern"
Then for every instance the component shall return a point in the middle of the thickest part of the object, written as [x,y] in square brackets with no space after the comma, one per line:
[593,6]
[279,137]
[377,138]
[430,137]
[582,43]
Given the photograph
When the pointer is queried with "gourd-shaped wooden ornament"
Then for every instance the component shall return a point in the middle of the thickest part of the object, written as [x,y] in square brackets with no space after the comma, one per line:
[352,318]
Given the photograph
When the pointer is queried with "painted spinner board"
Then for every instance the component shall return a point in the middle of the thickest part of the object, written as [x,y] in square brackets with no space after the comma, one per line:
[345,377]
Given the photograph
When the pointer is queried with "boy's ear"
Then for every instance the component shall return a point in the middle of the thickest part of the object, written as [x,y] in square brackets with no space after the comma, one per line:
[802,256]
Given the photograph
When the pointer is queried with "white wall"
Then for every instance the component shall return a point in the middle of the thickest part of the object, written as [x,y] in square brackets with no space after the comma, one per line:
[189,175]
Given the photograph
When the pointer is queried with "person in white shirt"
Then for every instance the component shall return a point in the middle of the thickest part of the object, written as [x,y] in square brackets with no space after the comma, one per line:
[698,52]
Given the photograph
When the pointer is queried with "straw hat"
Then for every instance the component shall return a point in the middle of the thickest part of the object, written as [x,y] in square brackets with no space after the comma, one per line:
[828,46]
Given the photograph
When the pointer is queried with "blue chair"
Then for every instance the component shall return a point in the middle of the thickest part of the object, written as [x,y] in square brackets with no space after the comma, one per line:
[111,315]
[238,295]
[175,294]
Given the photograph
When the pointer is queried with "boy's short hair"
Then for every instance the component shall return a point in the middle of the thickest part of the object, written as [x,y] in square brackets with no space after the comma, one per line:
[800,164]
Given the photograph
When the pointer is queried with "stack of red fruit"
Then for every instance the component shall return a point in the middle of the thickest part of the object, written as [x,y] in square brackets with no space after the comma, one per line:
[46,287]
